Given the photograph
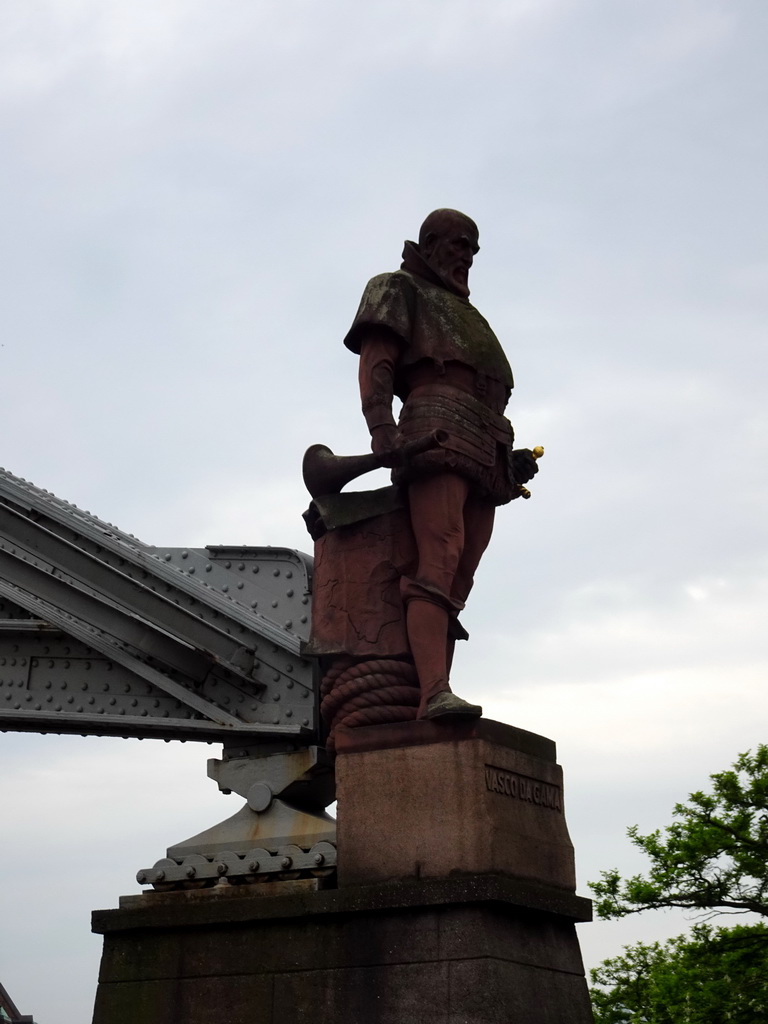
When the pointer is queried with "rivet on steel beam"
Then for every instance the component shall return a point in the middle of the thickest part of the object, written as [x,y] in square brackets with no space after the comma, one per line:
[286,862]
[191,871]
[253,865]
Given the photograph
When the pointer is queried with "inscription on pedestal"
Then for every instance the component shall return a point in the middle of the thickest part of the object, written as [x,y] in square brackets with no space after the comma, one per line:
[521,787]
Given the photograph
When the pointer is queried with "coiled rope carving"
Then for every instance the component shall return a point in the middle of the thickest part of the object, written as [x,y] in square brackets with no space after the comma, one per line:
[372,692]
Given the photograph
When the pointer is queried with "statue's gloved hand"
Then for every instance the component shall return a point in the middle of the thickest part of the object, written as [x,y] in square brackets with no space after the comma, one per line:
[523,464]
[384,444]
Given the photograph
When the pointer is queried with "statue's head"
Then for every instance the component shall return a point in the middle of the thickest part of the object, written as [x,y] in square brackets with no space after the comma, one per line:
[448,242]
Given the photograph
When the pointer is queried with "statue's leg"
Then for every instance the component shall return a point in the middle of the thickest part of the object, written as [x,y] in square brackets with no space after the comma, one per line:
[479,515]
[437,518]
[478,526]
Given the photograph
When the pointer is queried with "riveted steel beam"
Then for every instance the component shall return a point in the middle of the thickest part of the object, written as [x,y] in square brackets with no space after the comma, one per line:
[114,590]
[95,638]
[202,642]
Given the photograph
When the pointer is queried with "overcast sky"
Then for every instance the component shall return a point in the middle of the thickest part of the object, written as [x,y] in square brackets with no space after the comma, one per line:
[194,195]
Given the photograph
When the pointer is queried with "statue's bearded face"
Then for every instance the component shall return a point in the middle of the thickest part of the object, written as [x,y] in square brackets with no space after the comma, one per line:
[451,251]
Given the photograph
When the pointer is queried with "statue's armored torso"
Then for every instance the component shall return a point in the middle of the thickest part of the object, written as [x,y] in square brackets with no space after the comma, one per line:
[451,374]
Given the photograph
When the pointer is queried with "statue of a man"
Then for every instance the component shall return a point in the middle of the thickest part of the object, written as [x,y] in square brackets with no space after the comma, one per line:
[420,339]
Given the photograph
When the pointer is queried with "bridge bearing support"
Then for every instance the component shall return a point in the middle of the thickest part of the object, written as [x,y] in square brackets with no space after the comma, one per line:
[455,903]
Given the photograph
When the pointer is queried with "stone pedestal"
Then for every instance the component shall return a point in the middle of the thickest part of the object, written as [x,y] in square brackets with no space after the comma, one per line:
[429,800]
[455,904]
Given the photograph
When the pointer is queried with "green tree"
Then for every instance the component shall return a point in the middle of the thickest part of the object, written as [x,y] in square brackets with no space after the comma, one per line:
[712,859]
[709,976]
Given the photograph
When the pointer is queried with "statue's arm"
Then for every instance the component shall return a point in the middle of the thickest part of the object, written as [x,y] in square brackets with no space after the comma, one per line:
[379,353]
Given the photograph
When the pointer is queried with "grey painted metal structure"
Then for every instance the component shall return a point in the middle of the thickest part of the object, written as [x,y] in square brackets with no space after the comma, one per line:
[103,634]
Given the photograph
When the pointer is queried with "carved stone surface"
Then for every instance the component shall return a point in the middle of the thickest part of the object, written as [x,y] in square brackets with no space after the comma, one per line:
[357,606]
[455,951]
[422,800]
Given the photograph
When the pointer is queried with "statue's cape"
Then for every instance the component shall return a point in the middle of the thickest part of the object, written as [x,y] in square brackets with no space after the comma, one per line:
[431,321]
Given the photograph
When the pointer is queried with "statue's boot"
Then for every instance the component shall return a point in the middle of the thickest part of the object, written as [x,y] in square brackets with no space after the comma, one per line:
[448,705]
[427,624]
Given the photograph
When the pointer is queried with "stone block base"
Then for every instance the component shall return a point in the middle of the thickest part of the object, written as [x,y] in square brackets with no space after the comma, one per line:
[435,799]
[472,950]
